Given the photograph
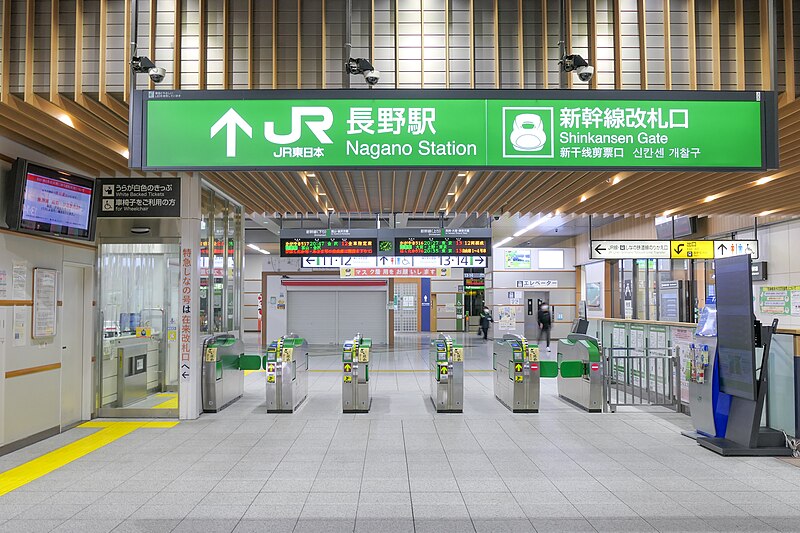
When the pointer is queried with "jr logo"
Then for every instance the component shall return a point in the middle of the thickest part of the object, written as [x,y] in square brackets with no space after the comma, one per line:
[323,120]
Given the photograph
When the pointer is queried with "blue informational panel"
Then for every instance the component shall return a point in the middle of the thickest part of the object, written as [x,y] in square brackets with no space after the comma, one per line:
[426,303]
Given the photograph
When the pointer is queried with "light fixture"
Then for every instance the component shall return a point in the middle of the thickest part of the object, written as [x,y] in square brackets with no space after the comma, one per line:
[126,154]
[451,193]
[762,181]
[462,174]
[257,249]
[311,175]
[501,243]
[766,213]
[710,198]
[668,212]
[535,223]
[66,119]
[616,180]
[322,193]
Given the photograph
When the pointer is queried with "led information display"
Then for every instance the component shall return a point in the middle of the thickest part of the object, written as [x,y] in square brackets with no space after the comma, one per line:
[328,246]
[442,246]
[455,129]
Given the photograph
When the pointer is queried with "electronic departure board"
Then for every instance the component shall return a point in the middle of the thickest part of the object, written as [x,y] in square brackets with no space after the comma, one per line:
[330,246]
[434,246]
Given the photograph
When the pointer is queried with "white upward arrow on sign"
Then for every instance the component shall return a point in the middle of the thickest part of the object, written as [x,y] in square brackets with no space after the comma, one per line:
[231,119]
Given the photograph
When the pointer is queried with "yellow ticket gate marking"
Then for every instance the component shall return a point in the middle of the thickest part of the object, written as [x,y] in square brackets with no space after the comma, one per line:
[49,462]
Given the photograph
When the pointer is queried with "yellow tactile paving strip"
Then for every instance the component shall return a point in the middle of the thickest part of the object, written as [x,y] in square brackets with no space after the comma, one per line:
[41,466]
[170,403]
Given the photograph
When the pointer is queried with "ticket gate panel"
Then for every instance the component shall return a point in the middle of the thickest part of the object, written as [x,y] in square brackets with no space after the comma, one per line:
[517,373]
[286,363]
[356,396]
[222,378]
[447,375]
[581,379]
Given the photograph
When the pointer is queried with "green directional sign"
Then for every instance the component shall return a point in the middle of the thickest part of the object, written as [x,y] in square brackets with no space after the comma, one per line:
[453,129]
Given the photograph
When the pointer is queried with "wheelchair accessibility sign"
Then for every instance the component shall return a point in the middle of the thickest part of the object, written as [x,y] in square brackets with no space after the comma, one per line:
[528,132]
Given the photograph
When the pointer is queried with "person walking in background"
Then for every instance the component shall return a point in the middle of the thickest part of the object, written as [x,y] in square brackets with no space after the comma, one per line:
[486,318]
[545,320]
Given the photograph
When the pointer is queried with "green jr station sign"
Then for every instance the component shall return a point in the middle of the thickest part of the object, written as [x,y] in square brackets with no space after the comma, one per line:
[514,129]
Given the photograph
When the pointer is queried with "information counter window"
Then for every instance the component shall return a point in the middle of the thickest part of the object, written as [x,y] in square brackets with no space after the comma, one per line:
[220,264]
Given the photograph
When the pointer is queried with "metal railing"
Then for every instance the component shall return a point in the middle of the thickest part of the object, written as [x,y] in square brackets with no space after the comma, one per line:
[648,377]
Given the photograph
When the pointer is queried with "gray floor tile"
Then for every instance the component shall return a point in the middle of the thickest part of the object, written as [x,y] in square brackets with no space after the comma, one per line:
[562,525]
[620,525]
[380,525]
[502,525]
[206,525]
[437,525]
[276,525]
[29,526]
[146,526]
[158,511]
[87,526]
[99,511]
[325,525]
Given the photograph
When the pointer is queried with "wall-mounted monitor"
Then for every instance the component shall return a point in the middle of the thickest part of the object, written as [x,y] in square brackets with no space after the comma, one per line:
[52,202]
[684,226]
[735,327]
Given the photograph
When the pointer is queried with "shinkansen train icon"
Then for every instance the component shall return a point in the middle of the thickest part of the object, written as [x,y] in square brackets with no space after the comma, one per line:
[527,134]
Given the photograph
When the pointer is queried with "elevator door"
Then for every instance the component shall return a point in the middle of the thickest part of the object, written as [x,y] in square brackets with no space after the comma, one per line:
[533,299]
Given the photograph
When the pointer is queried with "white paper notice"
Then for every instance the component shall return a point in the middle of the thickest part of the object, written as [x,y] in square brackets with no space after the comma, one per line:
[507,317]
[19,280]
[21,315]
[795,299]
[3,284]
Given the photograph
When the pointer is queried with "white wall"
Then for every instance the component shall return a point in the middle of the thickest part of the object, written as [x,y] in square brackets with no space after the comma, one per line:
[778,246]
[251,286]
[562,297]
[31,404]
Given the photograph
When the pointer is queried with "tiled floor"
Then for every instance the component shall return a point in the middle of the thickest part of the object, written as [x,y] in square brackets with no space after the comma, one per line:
[403,467]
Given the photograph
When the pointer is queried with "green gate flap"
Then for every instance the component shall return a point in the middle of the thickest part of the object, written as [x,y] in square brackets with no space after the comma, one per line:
[548,369]
[572,369]
[250,362]
[593,350]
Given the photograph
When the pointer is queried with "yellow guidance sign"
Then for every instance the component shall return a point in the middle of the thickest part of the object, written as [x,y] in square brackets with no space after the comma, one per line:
[518,367]
[348,367]
[691,249]
[518,379]
[348,379]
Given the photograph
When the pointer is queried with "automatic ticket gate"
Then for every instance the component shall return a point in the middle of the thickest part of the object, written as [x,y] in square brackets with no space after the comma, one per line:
[580,379]
[223,380]
[356,397]
[517,371]
[286,364]
[447,375]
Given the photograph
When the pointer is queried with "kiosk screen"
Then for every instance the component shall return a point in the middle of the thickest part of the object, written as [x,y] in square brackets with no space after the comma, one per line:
[735,331]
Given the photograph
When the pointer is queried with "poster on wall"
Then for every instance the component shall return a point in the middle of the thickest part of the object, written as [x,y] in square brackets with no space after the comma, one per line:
[594,295]
[682,339]
[3,284]
[795,298]
[507,317]
[44,303]
[19,279]
[21,315]
[517,259]
[777,300]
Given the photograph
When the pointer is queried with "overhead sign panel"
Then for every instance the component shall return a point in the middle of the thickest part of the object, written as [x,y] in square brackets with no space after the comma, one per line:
[347,272]
[435,246]
[388,261]
[652,249]
[630,250]
[217,130]
[328,246]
